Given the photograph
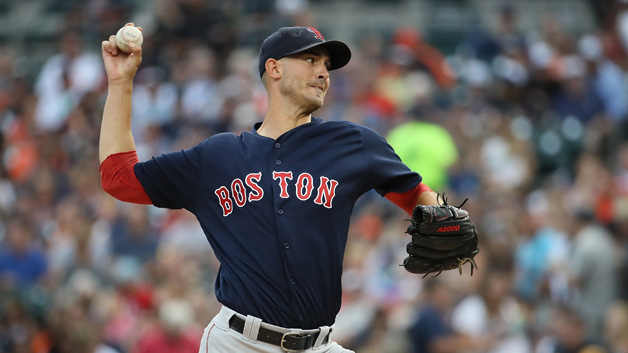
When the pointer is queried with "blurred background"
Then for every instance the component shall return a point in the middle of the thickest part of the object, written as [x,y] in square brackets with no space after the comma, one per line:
[521,106]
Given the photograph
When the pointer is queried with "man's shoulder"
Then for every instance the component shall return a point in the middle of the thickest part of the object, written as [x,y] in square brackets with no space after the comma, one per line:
[347,125]
[222,138]
[352,131]
[339,123]
[228,136]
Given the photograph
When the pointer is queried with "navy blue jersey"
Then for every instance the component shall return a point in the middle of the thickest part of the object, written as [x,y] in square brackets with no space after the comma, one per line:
[276,212]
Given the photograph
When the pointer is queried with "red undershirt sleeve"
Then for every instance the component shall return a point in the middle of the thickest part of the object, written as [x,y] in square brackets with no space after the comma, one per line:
[407,200]
[118,179]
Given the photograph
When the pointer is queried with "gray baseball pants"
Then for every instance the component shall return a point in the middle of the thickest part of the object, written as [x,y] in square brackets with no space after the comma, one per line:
[219,338]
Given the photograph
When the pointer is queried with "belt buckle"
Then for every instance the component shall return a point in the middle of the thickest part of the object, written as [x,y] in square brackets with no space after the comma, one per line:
[283,339]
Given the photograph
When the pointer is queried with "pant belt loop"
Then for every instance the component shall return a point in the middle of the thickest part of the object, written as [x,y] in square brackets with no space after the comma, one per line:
[325,330]
[251,327]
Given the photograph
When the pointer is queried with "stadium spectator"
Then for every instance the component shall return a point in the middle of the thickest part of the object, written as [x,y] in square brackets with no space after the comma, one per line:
[22,261]
[432,332]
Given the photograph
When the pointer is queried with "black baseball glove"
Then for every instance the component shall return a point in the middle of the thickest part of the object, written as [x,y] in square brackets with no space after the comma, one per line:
[443,238]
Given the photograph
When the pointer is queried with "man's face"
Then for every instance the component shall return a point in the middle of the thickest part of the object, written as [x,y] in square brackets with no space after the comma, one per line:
[306,78]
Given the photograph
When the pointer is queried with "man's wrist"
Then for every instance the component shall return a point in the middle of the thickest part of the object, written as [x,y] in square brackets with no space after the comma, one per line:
[122,82]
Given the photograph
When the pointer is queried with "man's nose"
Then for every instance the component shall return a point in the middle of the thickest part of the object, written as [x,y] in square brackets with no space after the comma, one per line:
[323,74]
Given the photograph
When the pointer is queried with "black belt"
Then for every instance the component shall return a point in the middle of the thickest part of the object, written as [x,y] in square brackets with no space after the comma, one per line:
[289,341]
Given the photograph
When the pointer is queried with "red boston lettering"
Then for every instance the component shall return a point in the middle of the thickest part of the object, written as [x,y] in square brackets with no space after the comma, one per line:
[225,202]
[283,182]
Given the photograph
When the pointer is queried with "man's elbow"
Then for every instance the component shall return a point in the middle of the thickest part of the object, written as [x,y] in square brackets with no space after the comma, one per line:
[118,179]
[126,194]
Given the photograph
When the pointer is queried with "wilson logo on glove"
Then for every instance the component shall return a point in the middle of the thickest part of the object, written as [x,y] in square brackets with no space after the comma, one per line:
[448,229]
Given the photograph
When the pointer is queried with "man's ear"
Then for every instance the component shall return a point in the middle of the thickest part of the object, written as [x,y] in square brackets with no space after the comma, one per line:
[273,68]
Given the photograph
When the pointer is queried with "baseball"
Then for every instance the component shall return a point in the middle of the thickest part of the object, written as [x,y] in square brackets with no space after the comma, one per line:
[127,35]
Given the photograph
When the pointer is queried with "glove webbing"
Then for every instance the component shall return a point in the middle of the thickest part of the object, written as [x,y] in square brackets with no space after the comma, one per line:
[461,262]
[445,201]
[438,198]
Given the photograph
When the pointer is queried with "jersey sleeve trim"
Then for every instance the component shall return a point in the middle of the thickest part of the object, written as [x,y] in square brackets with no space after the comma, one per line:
[118,179]
[408,199]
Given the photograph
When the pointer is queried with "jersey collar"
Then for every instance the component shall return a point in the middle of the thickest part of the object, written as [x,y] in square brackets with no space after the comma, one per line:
[314,121]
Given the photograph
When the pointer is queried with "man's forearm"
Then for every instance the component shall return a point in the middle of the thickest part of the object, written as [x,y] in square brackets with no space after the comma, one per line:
[115,132]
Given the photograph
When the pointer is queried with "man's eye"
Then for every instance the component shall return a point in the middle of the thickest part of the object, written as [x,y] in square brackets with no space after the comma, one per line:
[310,60]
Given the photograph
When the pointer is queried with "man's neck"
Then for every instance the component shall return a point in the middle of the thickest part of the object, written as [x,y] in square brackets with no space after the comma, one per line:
[274,128]
[279,121]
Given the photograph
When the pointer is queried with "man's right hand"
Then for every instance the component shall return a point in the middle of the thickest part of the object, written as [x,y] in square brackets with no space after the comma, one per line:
[120,66]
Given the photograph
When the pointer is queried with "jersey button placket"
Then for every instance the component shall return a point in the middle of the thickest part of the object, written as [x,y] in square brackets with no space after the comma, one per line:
[286,245]
[278,162]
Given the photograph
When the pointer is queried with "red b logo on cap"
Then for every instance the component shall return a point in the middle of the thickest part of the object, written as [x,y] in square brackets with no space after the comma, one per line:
[317,34]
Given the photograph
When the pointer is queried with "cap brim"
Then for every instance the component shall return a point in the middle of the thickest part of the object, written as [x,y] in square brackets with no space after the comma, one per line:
[339,52]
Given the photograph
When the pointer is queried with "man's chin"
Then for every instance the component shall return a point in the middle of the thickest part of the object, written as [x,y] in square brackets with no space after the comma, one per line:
[315,104]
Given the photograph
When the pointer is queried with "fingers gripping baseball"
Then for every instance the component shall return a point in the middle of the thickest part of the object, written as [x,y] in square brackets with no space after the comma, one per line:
[119,64]
[443,238]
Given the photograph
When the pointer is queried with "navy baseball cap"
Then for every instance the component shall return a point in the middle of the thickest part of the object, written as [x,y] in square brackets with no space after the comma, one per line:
[291,40]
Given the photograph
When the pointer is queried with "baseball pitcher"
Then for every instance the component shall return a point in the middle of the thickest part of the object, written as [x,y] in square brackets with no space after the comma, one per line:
[275,203]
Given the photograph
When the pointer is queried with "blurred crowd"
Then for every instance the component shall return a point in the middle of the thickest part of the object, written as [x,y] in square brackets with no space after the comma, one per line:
[529,124]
